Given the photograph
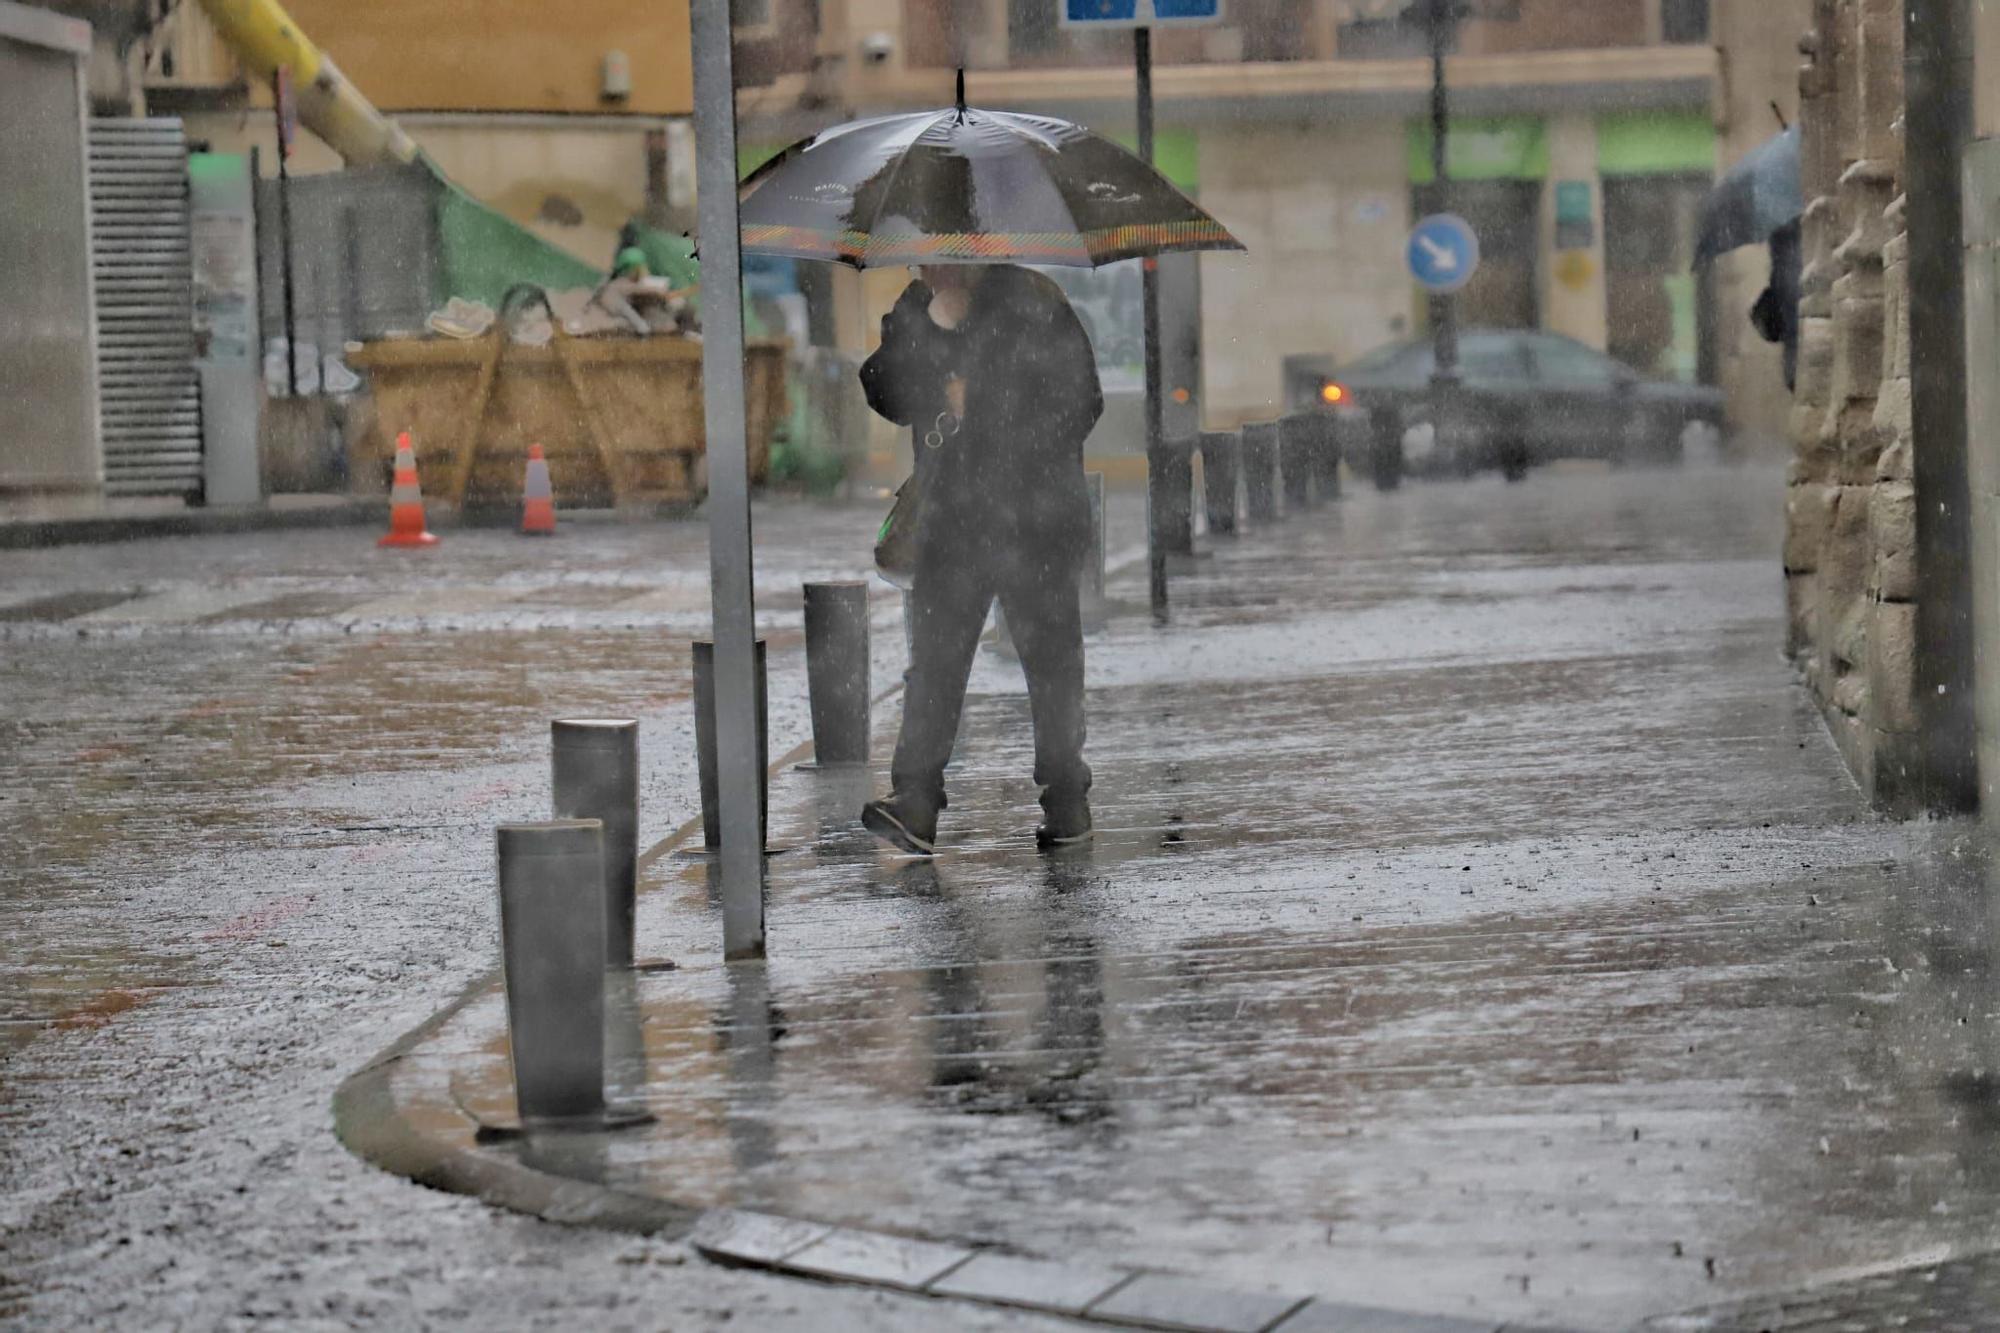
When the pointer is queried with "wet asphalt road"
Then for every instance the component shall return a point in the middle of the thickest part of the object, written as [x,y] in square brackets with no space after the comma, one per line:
[249,812]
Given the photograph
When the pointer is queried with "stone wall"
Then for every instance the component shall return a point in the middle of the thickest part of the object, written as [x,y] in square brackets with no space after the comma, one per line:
[1850,535]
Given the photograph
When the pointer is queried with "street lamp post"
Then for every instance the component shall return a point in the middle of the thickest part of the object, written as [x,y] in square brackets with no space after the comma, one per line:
[1440,16]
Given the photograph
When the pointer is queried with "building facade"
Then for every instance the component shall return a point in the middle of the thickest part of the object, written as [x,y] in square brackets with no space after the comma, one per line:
[1582,141]
[570,120]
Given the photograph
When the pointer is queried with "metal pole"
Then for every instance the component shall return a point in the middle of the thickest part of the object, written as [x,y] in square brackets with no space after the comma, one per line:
[738,772]
[1937,93]
[1444,306]
[552,948]
[1156,545]
[595,775]
[285,248]
[714,833]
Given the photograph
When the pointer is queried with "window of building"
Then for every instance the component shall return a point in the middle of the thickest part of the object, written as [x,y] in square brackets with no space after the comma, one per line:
[1684,22]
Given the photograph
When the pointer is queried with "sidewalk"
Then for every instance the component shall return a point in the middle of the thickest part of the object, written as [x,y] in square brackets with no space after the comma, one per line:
[29,524]
[1480,926]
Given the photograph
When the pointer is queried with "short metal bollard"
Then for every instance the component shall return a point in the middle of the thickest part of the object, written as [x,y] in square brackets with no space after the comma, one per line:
[1326,456]
[1260,470]
[552,946]
[704,739]
[1385,447]
[596,776]
[837,671]
[1093,571]
[1173,494]
[1221,478]
[1295,450]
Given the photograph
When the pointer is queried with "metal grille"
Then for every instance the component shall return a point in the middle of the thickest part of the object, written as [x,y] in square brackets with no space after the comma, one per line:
[151,396]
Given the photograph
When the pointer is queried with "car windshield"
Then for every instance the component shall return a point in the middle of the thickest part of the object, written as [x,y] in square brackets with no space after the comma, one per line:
[1560,361]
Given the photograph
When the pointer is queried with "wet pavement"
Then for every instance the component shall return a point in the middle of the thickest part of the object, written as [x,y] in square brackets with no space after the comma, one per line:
[1481,923]
[247,788]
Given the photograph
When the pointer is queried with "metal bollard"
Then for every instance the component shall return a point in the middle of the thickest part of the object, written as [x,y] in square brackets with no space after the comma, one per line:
[837,671]
[1173,525]
[1093,569]
[704,739]
[1295,450]
[596,776]
[1260,470]
[1221,478]
[552,947]
[1326,456]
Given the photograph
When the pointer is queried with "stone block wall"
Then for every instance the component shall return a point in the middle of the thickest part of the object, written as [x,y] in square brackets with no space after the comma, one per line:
[1850,541]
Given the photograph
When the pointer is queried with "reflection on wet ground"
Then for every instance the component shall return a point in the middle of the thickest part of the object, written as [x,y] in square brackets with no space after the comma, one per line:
[1481,922]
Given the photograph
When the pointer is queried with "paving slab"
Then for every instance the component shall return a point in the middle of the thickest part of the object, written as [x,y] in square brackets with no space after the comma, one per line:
[756,1238]
[1159,1300]
[1328,1317]
[1038,1284]
[868,1256]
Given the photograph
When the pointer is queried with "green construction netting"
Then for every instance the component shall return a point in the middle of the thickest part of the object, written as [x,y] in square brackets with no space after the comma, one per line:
[484,252]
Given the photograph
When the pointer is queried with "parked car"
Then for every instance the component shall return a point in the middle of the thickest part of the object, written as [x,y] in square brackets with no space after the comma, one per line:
[1527,397]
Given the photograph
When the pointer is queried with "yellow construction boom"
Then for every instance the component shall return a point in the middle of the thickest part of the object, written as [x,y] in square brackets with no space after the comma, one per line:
[265,38]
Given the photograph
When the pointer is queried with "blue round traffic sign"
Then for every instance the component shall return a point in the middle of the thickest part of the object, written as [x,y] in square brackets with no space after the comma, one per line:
[1444,252]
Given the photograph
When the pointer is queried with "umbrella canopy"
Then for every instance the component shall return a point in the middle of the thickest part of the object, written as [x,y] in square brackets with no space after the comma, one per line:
[967,186]
[1753,199]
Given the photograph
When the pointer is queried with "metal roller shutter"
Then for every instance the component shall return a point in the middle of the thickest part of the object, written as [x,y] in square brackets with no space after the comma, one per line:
[151,396]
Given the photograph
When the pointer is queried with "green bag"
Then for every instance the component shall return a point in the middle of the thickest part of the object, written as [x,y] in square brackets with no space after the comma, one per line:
[896,541]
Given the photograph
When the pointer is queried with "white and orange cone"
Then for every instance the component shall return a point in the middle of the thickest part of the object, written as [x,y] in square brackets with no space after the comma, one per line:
[538,501]
[406,502]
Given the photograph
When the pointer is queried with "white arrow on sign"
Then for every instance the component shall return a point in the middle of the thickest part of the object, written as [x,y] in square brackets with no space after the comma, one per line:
[1442,256]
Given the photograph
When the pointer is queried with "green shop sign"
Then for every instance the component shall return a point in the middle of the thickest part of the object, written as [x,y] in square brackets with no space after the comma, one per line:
[1482,148]
[1656,143]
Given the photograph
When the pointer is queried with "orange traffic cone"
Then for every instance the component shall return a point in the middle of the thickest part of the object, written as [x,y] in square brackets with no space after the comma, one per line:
[538,502]
[406,501]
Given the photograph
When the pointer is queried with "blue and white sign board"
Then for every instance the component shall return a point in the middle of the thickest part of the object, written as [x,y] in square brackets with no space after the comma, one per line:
[1138,13]
[1444,252]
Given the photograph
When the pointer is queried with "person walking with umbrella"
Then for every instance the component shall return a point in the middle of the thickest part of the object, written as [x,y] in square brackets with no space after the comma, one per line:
[989,366]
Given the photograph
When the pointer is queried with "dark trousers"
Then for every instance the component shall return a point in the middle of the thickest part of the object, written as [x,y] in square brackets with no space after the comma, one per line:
[948,606]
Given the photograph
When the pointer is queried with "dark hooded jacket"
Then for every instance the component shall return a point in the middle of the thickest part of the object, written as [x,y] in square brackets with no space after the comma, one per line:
[1008,484]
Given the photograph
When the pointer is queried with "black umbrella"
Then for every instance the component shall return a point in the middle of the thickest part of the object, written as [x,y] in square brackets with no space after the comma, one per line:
[1753,199]
[968,186]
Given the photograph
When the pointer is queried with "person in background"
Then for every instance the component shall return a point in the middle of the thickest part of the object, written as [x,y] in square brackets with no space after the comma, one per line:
[645,303]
